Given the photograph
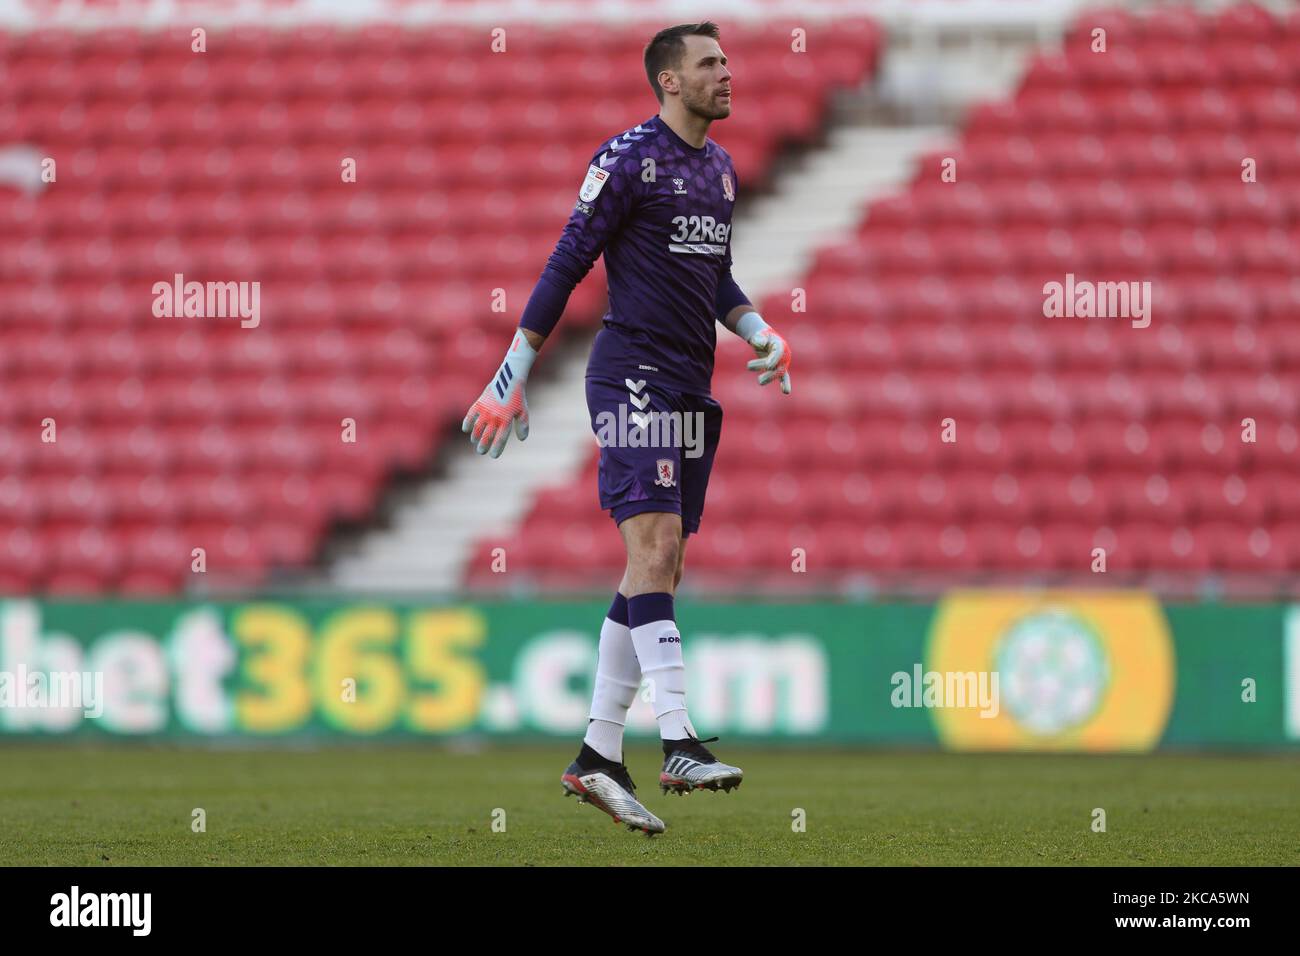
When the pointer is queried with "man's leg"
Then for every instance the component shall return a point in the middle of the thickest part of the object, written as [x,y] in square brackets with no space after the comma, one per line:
[656,554]
[598,774]
[688,764]
[630,483]
[618,675]
[639,497]
[654,544]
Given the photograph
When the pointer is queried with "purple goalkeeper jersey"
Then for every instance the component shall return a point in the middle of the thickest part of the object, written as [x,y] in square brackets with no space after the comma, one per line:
[660,210]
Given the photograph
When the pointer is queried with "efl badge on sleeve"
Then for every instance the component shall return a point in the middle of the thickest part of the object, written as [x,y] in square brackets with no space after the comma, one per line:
[665,467]
[593,184]
[727,189]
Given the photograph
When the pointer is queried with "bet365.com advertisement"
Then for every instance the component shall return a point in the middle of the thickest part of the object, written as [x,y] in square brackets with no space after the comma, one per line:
[1006,671]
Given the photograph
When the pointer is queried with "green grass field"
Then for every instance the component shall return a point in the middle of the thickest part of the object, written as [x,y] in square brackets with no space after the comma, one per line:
[64,806]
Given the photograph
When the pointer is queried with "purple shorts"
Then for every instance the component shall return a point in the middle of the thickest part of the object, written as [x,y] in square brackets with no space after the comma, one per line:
[653,462]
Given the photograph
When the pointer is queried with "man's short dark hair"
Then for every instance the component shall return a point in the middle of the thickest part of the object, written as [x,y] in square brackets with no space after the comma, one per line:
[666,50]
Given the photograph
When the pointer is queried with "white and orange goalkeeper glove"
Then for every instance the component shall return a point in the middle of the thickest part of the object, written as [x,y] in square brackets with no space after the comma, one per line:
[773,351]
[502,403]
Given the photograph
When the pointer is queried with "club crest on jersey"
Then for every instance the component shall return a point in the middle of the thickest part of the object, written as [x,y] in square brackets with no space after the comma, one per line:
[593,184]
[664,466]
[727,189]
[680,189]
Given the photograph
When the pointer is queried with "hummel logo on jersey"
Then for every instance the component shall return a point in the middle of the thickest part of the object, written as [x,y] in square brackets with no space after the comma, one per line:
[681,187]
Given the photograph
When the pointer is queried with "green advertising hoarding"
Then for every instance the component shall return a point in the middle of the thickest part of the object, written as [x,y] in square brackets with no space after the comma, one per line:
[1067,671]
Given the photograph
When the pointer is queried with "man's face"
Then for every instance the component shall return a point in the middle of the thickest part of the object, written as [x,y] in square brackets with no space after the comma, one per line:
[704,79]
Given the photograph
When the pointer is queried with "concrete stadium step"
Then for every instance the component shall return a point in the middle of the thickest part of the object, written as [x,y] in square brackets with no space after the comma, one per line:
[434,531]
[818,201]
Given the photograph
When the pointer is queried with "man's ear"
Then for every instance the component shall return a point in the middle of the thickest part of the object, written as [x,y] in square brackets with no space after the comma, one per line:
[671,85]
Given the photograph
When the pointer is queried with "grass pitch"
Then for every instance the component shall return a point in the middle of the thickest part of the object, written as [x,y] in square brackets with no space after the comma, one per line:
[427,806]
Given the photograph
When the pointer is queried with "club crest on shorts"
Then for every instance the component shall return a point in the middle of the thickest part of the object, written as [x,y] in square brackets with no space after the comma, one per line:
[727,189]
[664,466]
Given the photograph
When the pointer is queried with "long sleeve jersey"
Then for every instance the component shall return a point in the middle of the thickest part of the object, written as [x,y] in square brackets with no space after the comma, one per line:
[660,211]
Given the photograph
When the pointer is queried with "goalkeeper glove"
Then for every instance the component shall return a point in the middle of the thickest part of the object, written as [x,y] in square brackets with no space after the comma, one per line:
[773,351]
[502,402]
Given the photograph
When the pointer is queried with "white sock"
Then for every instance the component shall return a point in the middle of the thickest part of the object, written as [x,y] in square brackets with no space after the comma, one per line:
[658,646]
[675,725]
[618,675]
[606,738]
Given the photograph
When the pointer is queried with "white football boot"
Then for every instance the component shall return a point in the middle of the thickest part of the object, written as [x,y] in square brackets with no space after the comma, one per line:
[690,766]
[613,791]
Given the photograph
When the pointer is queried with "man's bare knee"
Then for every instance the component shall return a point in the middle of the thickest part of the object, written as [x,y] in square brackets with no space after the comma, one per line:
[653,543]
[657,557]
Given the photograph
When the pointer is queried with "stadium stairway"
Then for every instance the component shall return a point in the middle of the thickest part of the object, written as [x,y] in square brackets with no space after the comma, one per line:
[821,197]
[436,525]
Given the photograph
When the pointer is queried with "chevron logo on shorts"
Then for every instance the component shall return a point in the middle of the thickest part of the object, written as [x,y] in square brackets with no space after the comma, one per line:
[639,401]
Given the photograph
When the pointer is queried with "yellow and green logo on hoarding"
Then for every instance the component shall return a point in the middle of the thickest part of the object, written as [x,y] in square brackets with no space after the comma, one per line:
[1075,670]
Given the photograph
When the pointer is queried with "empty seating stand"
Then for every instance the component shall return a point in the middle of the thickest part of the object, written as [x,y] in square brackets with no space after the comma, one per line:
[1071,433]
[376,295]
